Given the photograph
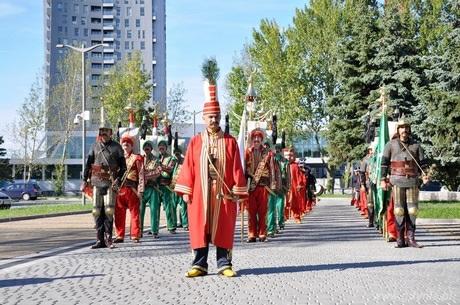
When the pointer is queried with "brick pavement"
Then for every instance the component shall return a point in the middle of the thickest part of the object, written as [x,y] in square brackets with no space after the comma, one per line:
[331,258]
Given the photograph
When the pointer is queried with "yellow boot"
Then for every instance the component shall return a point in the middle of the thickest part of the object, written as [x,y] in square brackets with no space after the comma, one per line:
[194,272]
[228,272]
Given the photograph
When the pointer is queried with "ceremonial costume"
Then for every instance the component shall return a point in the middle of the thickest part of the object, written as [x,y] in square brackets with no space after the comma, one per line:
[151,197]
[277,198]
[402,158]
[296,197]
[261,172]
[168,163]
[210,177]
[178,201]
[367,189]
[105,167]
[132,188]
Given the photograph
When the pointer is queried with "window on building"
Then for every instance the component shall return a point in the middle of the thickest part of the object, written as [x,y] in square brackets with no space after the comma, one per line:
[118,11]
[143,34]
[126,45]
[117,45]
[83,20]
[59,6]
[74,19]
[76,8]
[95,42]
[132,45]
[95,76]
[96,20]
[95,8]
[85,32]
[126,22]
[95,65]
[65,30]
[126,2]
[85,9]
[118,34]
[142,45]
[142,11]
[142,1]
[108,66]
[59,29]
[117,22]
[76,31]
[96,54]
[96,32]
[138,23]
[129,11]
[108,55]
[138,34]
[128,34]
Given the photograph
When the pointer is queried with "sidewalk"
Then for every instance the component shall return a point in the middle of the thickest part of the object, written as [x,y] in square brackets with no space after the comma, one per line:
[331,258]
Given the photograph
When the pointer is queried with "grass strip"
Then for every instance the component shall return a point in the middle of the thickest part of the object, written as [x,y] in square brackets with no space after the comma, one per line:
[439,209]
[43,210]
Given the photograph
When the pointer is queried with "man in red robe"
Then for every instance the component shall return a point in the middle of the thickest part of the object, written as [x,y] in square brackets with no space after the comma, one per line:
[260,170]
[210,181]
[296,197]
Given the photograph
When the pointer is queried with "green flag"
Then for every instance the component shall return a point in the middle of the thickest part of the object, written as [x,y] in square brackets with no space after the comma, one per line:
[381,197]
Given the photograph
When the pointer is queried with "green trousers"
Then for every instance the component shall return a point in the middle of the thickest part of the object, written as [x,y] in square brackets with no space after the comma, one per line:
[275,211]
[169,206]
[180,203]
[151,198]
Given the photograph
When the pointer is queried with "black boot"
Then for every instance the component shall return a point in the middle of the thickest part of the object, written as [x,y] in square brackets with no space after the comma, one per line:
[100,241]
[400,240]
[370,212]
[411,238]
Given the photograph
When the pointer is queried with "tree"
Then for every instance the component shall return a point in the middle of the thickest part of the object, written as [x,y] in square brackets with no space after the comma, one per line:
[29,127]
[126,83]
[177,112]
[5,172]
[64,104]
[357,78]
[437,117]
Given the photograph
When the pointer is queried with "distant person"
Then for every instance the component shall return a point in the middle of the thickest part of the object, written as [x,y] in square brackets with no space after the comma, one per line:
[310,189]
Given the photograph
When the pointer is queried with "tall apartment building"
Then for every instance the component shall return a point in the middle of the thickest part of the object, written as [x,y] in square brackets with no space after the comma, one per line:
[123,25]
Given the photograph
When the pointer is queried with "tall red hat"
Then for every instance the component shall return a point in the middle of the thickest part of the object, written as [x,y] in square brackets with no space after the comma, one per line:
[258,132]
[210,72]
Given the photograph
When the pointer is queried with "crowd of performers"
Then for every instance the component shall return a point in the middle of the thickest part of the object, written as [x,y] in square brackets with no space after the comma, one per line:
[402,164]
[208,186]
[278,188]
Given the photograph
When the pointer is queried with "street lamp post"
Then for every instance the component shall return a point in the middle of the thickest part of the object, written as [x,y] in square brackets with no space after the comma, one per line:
[83,51]
[194,121]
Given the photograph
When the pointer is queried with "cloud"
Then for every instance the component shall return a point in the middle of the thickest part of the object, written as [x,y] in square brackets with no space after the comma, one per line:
[9,9]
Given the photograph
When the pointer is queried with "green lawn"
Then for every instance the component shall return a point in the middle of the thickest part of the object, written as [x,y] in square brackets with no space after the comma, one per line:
[439,209]
[44,209]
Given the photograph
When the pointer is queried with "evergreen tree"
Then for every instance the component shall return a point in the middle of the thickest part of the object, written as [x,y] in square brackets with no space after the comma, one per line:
[437,117]
[356,76]
[398,60]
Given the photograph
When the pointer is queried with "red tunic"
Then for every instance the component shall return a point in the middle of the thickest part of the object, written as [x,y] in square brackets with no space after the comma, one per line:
[297,191]
[217,227]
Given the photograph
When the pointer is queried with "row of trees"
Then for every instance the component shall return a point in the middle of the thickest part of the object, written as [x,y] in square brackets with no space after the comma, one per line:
[322,75]
[125,83]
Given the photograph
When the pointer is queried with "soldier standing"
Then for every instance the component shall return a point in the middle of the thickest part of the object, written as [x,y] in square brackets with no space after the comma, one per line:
[131,191]
[210,180]
[403,159]
[311,189]
[260,170]
[277,198]
[178,200]
[105,167]
[168,163]
[367,187]
[152,170]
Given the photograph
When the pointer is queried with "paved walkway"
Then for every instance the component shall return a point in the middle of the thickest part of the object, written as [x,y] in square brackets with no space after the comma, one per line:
[331,258]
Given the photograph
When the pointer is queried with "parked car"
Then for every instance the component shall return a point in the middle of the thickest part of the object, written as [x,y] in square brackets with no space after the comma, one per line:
[431,186]
[21,190]
[5,201]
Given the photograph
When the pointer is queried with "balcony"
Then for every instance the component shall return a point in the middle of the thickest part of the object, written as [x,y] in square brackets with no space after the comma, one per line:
[109,50]
[109,61]
[107,16]
[108,39]
[108,4]
[108,28]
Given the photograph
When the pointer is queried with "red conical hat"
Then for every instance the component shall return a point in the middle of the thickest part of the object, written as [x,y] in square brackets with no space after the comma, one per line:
[211,103]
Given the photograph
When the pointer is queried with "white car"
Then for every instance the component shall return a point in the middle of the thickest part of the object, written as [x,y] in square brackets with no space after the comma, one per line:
[5,201]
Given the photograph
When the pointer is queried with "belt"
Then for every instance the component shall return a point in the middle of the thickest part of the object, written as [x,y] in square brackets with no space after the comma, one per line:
[403,168]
